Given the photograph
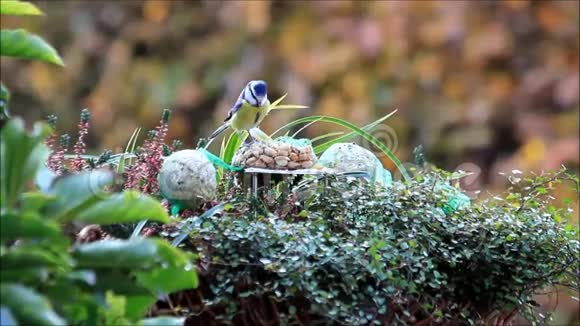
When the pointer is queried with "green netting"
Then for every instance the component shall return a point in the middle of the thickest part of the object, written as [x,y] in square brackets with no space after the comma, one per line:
[219,162]
[457,199]
[298,143]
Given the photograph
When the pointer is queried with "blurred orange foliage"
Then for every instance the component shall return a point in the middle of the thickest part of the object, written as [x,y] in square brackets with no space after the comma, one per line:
[490,83]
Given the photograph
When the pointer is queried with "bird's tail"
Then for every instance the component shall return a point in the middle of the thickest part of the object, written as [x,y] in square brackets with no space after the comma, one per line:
[216,133]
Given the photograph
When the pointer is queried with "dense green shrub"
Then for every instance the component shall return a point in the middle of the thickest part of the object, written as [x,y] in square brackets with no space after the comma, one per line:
[48,281]
[356,253]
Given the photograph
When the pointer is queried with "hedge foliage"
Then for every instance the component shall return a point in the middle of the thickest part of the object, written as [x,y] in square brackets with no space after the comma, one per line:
[356,253]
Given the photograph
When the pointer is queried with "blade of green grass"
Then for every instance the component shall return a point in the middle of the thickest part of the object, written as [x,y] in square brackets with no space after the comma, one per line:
[324,146]
[329,135]
[188,228]
[220,170]
[234,142]
[304,127]
[138,228]
[368,127]
[288,107]
[274,105]
[278,100]
[128,149]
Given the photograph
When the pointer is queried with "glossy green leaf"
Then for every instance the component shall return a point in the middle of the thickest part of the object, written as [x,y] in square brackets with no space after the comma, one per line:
[126,207]
[168,280]
[4,98]
[173,256]
[133,253]
[27,306]
[34,201]
[24,257]
[118,253]
[25,276]
[21,154]
[24,45]
[136,306]
[115,312]
[234,142]
[78,192]
[27,226]
[120,281]
[19,8]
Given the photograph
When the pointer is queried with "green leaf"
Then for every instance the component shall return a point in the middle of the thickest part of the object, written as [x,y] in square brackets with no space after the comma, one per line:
[126,207]
[78,192]
[234,142]
[34,201]
[168,280]
[4,98]
[21,44]
[133,253]
[27,306]
[32,276]
[136,306]
[21,154]
[116,309]
[120,281]
[26,226]
[24,257]
[19,8]
[164,320]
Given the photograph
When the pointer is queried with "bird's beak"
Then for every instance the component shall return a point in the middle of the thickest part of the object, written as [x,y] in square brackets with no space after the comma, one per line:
[264,100]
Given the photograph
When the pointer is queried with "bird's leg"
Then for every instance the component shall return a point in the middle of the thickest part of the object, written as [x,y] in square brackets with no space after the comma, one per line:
[249,139]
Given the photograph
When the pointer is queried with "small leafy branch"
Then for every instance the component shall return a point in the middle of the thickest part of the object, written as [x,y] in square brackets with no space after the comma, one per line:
[45,280]
[19,43]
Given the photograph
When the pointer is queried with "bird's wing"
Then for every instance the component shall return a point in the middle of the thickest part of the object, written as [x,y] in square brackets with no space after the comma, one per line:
[234,109]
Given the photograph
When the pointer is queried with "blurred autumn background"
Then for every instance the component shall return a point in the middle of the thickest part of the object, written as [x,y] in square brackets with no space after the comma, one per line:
[491,85]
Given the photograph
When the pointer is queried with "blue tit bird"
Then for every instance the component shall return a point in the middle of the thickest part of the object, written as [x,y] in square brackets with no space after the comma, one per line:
[250,109]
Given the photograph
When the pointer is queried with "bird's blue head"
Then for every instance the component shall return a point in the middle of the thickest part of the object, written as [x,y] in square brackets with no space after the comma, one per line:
[259,87]
[256,92]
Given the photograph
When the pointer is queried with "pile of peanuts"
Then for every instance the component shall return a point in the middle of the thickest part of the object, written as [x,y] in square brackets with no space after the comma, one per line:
[275,156]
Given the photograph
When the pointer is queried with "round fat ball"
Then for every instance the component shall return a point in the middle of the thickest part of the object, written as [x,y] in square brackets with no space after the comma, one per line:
[187,176]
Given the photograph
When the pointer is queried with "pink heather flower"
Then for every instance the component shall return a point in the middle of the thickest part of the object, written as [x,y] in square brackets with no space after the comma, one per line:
[78,163]
[166,206]
[188,212]
[148,232]
[143,174]
[56,161]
